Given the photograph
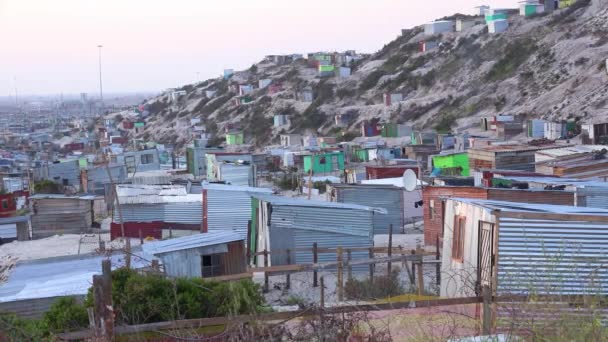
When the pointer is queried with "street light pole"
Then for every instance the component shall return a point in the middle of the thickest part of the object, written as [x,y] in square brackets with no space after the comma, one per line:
[100,83]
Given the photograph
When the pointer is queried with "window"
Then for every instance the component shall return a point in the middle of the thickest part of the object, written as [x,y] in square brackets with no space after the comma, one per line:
[210,265]
[322,161]
[432,209]
[147,158]
[458,238]
[4,204]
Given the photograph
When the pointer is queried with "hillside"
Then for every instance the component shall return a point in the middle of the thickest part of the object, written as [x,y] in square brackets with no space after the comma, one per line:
[548,66]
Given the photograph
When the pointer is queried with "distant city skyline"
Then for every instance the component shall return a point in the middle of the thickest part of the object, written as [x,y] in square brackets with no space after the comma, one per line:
[50,47]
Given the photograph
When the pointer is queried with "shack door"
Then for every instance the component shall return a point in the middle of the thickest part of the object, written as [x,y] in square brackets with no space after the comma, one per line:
[484,257]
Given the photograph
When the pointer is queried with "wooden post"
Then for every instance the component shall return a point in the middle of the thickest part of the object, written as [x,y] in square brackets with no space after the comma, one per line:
[141,238]
[102,297]
[102,246]
[350,268]
[487,313]
[437,265]
[420,278]
[340,280]
[266,280]
[390,249]
[371,265]
[315,259]
[248,242]
[128,253]
[322,293]
[288,276]
[155,265]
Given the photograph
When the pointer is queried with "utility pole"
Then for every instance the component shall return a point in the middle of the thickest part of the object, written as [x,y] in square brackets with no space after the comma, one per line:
[100,82]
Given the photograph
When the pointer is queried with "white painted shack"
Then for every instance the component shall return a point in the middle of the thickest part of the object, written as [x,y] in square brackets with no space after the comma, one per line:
[521,249]
[437,27]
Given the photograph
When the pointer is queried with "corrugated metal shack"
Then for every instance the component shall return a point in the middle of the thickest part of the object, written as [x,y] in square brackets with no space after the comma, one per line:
[507,157]
[583,166]
[157,211]
[399,204]
[66,173]
[228,207]
[14,228]
[204,255]
[518,249]
[280,223]
[138,161]
[435,196]
[97,178]
[61,214]
[389,171]
[593,194]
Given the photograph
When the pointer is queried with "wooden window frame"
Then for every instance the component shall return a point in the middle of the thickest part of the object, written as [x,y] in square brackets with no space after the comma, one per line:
[458,238]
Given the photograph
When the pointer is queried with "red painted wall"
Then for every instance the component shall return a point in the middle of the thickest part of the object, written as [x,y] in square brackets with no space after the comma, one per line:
[148,229]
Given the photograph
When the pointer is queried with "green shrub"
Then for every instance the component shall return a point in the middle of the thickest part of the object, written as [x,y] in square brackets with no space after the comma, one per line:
[66,314]
[47,187]
[516,53]
[13,328]
[371,80]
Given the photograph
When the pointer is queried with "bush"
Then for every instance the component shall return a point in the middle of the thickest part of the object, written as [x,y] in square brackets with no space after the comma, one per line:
[152,298]
[47,187]
[287,182]
[371,80]
[66,314]
[382,287]
[516,53]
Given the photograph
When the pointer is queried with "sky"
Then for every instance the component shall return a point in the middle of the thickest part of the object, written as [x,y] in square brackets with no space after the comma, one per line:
[50,47]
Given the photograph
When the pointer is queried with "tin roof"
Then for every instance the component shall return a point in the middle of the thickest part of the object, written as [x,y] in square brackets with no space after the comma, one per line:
[86,197]
[515,148]
[533,208]
[226,187]
[570,150]
[159,190]
[558,181]
[191,241]
[60,276]
[296,202]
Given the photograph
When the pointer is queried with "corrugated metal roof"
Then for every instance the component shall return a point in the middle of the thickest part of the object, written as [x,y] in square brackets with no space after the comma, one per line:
[141,189]
[61,276]
[191,241]
[570,150]
[61,196]
[581,183]
[536,208]
[14,219]
[226,187]
[296,202]
[156,199]
[515,148]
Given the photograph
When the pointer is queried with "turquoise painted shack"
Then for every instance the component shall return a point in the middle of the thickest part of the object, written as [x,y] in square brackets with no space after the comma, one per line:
[324,162]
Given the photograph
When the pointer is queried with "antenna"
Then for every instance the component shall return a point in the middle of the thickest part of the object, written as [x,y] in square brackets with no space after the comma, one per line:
[410,180]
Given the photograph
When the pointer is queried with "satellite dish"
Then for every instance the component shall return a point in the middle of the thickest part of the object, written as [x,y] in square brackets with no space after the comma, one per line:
[410,181]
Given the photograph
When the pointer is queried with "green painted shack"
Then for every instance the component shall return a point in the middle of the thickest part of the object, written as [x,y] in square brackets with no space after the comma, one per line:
[450,161]
[324,162]
[235,138]
[361,155]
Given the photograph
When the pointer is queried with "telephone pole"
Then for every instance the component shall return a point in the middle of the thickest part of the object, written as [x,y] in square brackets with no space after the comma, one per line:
[100,82]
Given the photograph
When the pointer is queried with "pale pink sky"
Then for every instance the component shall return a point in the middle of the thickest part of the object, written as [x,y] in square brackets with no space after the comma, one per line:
[150,45]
